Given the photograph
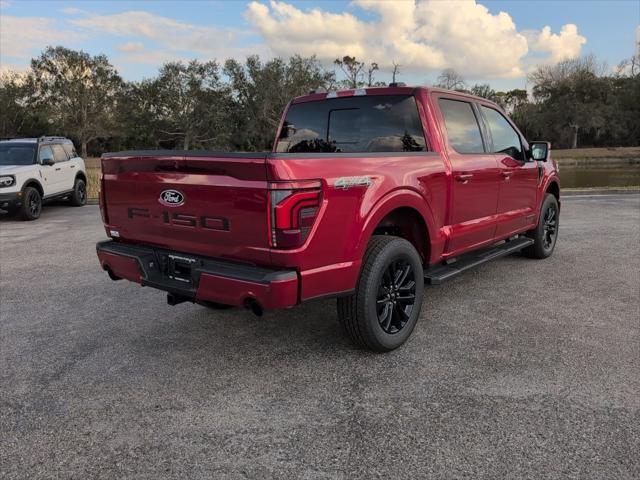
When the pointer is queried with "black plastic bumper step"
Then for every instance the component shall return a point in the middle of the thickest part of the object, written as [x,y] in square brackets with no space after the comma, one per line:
[437,274]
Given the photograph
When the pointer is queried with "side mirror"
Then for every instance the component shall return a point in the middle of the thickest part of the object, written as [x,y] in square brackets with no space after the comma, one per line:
[48,161]
[539,151]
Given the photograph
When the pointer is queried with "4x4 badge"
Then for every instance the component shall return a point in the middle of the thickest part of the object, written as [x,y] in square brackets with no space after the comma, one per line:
[171,198]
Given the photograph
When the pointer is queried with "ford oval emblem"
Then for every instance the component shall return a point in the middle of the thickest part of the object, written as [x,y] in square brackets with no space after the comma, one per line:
[171,198]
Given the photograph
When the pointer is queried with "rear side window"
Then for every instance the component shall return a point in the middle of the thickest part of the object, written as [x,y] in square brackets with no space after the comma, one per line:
[70,150]
[462,126]
[353,125]
[59,155]
[505,139]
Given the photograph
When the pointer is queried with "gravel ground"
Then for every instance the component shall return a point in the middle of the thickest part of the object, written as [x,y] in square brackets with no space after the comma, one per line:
[518,369]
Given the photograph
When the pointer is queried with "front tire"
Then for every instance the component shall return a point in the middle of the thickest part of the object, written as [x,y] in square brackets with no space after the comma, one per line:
[545,234]
[79,196]
[381,314]
[31,204]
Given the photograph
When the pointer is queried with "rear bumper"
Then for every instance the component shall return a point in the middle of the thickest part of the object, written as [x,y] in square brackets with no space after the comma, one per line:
[211,280]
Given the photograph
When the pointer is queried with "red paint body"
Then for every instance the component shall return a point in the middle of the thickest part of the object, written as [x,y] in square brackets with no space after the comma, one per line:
[464,201]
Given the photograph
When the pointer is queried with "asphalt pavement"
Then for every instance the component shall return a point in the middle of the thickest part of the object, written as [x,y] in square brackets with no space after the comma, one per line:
[518,369]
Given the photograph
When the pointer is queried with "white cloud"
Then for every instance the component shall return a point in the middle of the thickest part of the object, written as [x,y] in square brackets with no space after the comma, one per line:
[421,35]
[130,47]
[19,36]
[171,35]
[72,11]
[566,44]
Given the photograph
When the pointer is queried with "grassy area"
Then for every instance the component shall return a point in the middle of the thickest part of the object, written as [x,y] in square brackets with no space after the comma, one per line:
[594,153]
[93,182]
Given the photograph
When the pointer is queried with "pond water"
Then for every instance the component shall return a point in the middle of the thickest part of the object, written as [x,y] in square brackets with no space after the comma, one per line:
[586,176]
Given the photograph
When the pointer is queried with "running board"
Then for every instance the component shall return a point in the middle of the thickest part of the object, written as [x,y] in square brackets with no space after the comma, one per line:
[437,274]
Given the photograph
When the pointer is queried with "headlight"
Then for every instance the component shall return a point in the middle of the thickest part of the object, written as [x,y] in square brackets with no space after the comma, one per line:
[7,180]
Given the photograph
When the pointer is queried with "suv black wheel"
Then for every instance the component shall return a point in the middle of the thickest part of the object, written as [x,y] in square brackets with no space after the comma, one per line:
[546,232]
[31,204]
[79,195]
[382,312]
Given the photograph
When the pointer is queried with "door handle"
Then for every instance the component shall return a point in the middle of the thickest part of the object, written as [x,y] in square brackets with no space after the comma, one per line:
[464,177]
[57,169]
[73,166]
[506,175]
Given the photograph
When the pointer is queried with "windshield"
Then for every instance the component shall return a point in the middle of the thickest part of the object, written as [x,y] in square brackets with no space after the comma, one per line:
[375,123]
[17,153]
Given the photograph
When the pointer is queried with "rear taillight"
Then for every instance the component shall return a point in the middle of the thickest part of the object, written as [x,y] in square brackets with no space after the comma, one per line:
[294,207]
[101,202]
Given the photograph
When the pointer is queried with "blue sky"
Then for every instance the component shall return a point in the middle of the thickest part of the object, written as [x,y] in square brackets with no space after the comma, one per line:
[475,38]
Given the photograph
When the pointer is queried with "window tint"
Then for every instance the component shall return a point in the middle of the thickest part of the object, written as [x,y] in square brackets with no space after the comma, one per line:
[59,154]
[353,124]
[462,126]
[505,139]
[70,150]
[45,152]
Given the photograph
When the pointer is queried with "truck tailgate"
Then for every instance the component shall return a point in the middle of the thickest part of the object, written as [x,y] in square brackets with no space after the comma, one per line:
[214,205]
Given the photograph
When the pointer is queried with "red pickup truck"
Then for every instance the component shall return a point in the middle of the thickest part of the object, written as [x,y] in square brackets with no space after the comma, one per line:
[367,195]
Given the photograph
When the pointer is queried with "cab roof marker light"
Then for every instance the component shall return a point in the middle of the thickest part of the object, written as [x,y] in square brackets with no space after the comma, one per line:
[359,92]
[333,94]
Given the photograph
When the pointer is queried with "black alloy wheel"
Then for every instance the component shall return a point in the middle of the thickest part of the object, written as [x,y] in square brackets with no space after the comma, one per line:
[550,227]
[31,204]
[396,296]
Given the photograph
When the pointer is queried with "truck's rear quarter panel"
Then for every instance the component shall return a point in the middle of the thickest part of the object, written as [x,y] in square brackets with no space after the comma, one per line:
[330,259]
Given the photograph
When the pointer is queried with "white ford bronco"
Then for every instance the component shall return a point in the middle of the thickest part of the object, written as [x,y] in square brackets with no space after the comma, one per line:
[36,169]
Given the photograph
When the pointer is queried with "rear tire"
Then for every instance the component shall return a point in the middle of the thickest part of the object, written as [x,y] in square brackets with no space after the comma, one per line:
[79,196]
[31,204]
[382,312]
[545,234]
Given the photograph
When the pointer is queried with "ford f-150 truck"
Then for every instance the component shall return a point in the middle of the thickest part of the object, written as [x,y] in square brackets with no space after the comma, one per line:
[367,195]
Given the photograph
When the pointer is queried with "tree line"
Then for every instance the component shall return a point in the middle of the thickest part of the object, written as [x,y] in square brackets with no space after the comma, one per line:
[237,105]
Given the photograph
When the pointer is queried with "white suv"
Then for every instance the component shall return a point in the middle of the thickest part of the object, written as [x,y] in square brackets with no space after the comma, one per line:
[37,169]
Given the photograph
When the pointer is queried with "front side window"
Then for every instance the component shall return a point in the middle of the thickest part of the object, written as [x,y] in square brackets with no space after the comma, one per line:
[59,155]
[505,139]
[360,124]
[45,152]
[462,126]
[16,153]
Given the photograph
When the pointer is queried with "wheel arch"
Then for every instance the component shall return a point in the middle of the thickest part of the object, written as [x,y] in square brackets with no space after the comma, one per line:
[82,176]
[403,213]
[32,182]
[553,187]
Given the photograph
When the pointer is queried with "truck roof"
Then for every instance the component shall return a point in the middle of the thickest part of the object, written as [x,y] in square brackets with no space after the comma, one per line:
[399,89]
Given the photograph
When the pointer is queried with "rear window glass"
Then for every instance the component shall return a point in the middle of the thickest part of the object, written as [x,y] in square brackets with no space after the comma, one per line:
[352,125]
[462,126]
